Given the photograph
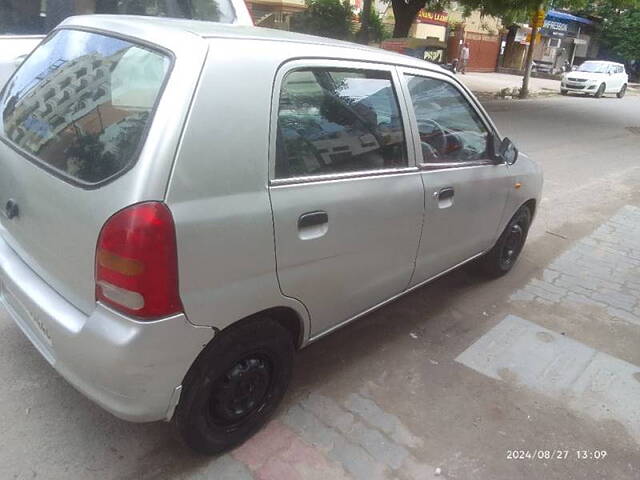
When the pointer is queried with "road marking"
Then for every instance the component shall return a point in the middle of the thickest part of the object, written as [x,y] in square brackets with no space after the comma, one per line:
[589,381]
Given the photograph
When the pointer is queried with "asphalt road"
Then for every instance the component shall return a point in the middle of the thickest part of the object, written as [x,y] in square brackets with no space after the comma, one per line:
[519,377]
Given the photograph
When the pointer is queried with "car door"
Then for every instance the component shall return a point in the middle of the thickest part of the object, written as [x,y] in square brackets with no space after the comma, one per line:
[346,196]
[465,191]
[620,76]
[613,80]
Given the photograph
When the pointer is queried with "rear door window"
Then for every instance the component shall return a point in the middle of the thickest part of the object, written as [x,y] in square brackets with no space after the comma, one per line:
[333,121]
[81,104]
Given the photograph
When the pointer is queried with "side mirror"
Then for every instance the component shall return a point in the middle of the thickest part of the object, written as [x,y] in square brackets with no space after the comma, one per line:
[508,151]
[502,151]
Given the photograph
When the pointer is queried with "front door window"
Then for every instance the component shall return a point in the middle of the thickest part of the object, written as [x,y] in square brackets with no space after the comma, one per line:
[450,130]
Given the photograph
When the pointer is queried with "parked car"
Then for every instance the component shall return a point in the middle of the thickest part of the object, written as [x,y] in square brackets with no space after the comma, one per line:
[185,203]
[24,23]
[596,78]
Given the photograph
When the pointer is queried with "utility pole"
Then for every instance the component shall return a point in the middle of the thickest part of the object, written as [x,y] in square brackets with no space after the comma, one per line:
[538,21]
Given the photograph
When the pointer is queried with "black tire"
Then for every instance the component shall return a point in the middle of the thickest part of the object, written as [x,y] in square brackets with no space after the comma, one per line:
[563,91]
[600,91]
[622,91]
[235,385]
[500,259]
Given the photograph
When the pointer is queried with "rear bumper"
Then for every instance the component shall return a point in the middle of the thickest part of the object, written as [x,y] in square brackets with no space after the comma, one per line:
[132,369]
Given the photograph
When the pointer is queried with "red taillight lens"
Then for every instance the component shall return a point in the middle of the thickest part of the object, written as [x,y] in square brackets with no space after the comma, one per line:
[137,264]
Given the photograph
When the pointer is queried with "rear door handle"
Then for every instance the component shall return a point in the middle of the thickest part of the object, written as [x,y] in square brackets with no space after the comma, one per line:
[312,219]
[444,197]
[445,194]
[313,225]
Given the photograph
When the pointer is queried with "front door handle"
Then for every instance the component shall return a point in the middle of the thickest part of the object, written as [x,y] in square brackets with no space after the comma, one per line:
[313,225]
[444,197]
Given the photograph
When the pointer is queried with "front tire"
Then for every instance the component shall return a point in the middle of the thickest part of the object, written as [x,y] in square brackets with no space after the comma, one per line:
[622,91]
[504,254]
[600,91]
[235,385]
[563,91]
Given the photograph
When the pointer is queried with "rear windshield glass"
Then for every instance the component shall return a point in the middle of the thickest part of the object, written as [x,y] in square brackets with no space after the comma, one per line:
[31,17]
[81,103]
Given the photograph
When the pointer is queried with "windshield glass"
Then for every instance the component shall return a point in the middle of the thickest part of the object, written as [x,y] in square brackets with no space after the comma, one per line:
[36,17]
[593,67]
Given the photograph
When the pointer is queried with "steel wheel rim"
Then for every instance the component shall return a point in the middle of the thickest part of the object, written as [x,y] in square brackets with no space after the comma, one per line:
[512,245]
[241,392]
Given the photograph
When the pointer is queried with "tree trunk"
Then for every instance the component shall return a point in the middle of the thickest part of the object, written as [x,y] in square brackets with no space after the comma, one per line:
[404,14]
[365,15]
[524,91]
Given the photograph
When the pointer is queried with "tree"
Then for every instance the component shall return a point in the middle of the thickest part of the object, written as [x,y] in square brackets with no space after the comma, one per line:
[365,17]
[621,34]
[327,18]
[376,28]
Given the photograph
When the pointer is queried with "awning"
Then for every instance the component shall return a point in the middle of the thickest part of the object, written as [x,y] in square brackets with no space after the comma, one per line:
[569,17]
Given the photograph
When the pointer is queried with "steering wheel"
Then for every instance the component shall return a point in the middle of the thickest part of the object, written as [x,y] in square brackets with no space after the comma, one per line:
[438,146]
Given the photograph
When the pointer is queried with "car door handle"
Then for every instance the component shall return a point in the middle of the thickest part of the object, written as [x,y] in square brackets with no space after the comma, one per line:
[312,219]
[444,194]
[313,225]
[444,197]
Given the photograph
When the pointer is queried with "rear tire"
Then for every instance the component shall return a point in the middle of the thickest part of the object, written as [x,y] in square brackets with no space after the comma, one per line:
[600,91]
[622,91]
[500,259]
[235,385]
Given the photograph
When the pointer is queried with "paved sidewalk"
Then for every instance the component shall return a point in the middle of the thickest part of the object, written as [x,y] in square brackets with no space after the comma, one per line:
[492,83]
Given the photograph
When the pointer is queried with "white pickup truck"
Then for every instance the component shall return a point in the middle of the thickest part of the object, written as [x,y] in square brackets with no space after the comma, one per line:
[24,23]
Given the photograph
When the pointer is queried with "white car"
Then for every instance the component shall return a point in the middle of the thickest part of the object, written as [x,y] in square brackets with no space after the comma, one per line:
[596,78]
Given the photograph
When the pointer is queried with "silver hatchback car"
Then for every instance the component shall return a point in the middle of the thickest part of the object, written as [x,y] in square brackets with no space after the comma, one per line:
[185,203]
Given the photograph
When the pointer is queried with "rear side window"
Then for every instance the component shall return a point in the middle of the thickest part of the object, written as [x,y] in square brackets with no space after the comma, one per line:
[82,102]
[337,121]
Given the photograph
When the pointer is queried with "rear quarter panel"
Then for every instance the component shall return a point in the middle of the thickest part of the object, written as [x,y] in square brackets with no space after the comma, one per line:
[218,192]
[71,217]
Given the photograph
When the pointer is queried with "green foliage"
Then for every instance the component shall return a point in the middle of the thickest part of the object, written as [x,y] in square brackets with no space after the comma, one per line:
[377,30]
[326,18]
[621,34]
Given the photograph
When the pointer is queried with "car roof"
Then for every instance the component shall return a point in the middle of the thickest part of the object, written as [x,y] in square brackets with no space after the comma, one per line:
[603,61]
[139,26]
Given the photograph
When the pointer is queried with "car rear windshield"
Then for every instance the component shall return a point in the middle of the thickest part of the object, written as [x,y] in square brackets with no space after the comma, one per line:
[81,104]
[31,17]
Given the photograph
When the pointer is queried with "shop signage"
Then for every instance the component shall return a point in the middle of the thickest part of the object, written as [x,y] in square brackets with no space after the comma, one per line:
[558,28]
[435,18]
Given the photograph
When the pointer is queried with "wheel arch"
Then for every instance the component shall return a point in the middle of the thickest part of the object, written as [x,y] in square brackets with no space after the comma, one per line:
[287,317]
[531,205]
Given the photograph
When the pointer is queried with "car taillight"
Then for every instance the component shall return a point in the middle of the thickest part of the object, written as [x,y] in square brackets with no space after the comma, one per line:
[137,264]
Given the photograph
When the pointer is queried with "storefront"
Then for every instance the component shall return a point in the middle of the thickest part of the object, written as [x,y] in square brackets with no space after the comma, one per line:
[563,38]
